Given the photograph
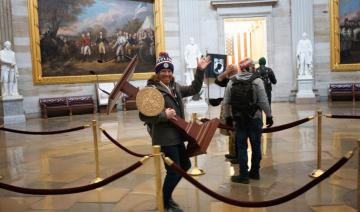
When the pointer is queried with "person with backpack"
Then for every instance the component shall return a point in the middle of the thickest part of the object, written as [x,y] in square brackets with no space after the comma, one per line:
[268,76]
[222,80]
[244,100]
[162,132]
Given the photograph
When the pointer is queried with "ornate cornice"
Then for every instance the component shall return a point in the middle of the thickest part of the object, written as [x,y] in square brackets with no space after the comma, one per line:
[243,3]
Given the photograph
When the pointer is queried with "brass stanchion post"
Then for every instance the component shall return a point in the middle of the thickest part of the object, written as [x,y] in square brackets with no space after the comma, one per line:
[317,172]
[96,151]
[196,171]
[159,193]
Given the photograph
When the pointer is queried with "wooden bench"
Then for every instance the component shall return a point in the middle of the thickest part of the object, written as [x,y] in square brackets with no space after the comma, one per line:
[60,106]
[344,91]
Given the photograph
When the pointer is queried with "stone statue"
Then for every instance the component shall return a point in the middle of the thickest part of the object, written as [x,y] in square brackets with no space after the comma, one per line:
[192,53]
[304,54]
[9,71]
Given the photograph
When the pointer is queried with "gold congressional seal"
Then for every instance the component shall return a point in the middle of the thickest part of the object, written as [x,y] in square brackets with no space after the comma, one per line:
[150,101]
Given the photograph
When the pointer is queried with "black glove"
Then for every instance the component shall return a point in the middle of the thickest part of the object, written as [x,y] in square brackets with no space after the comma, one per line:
[229,121]
[269,121]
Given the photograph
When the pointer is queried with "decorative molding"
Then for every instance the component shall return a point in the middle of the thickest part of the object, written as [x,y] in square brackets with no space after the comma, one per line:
[243,3]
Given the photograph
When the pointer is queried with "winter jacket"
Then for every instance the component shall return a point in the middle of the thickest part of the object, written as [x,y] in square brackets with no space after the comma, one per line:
[259,95]
[162,132]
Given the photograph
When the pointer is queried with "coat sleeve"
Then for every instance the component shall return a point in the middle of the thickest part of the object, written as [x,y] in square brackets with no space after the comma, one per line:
[195,86]
[261,98]
[153,119]
[227,99]
[272,76]
[222,83]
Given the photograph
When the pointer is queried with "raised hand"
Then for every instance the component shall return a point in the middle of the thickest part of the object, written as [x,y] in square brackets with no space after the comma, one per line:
[203,62]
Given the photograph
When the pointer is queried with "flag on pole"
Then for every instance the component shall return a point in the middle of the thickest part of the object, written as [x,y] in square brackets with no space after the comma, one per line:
[141,8]
[229,43]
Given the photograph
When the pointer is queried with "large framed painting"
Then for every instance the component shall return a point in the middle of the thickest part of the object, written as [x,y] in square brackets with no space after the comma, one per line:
[87,40]
[345,35]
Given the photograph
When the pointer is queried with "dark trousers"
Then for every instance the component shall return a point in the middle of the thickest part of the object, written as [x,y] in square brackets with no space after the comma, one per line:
[178,155]
[268,94]
[252,130]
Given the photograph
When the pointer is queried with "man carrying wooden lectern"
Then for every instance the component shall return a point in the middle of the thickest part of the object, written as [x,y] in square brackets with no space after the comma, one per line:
[162,132]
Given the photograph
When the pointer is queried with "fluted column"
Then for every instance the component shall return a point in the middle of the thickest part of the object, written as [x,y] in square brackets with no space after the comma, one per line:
[5,21]
[302,20]
[189,24]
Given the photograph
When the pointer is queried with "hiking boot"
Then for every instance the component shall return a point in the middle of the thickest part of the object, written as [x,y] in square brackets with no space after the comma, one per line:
[238,179]
[172,209]
[173,204]
[229,156]
[234,161]
[254,175]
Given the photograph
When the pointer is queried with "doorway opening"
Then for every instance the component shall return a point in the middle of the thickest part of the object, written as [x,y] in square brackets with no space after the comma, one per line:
[245,37]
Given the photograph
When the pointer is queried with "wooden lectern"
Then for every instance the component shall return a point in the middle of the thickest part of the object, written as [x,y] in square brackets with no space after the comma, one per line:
[198,136]
[123,85]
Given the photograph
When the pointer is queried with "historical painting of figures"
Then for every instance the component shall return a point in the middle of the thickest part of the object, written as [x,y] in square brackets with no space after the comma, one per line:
[217,66]
[345,35]
[76,38]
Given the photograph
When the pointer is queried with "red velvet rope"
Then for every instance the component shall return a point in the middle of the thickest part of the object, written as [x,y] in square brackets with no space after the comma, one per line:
[286,126]
[121,146]
[266,203]
[343,116]
[269,129]
[43,133]
[72,190]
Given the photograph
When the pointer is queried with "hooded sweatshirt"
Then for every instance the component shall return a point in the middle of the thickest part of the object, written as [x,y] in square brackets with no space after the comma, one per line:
[259,95]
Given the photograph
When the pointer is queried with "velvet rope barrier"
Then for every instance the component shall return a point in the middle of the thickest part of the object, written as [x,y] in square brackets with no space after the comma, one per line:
[44,132]
[270,129]
[266,203]
[287,126]
[121,146]
[342,116]
[73,190]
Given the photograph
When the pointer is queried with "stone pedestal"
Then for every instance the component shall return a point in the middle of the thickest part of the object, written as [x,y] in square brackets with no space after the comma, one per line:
[200,106]
[305,92]
[11,109]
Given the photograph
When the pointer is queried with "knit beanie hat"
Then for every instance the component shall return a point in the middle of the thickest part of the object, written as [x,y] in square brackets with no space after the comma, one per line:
[246,63]
[262,61]
[164,62]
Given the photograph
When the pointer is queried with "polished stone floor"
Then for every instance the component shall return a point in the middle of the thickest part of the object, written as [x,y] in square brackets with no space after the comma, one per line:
[67,160]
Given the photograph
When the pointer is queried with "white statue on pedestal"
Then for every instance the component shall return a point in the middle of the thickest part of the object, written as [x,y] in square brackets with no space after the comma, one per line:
[9,71]
[192,53]
[304,57]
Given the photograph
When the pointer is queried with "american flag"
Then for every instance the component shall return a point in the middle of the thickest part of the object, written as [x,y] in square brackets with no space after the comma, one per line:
[238,46]
[229,48]
[141,8]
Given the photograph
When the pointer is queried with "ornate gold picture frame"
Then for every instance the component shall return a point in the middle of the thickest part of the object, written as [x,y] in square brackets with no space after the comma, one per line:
[89,40]
[345,35]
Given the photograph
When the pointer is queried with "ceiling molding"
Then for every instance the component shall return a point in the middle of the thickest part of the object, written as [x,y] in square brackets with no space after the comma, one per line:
[243,3]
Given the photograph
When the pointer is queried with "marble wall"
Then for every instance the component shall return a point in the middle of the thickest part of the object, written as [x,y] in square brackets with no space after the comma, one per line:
[208,37]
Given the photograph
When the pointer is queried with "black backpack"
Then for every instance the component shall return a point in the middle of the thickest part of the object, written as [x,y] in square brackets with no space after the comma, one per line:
[264,75]
[242,102]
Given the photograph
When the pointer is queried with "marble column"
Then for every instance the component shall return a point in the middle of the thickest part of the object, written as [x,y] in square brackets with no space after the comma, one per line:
[302,20]
[189,27]
[5,21]
[189,24]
